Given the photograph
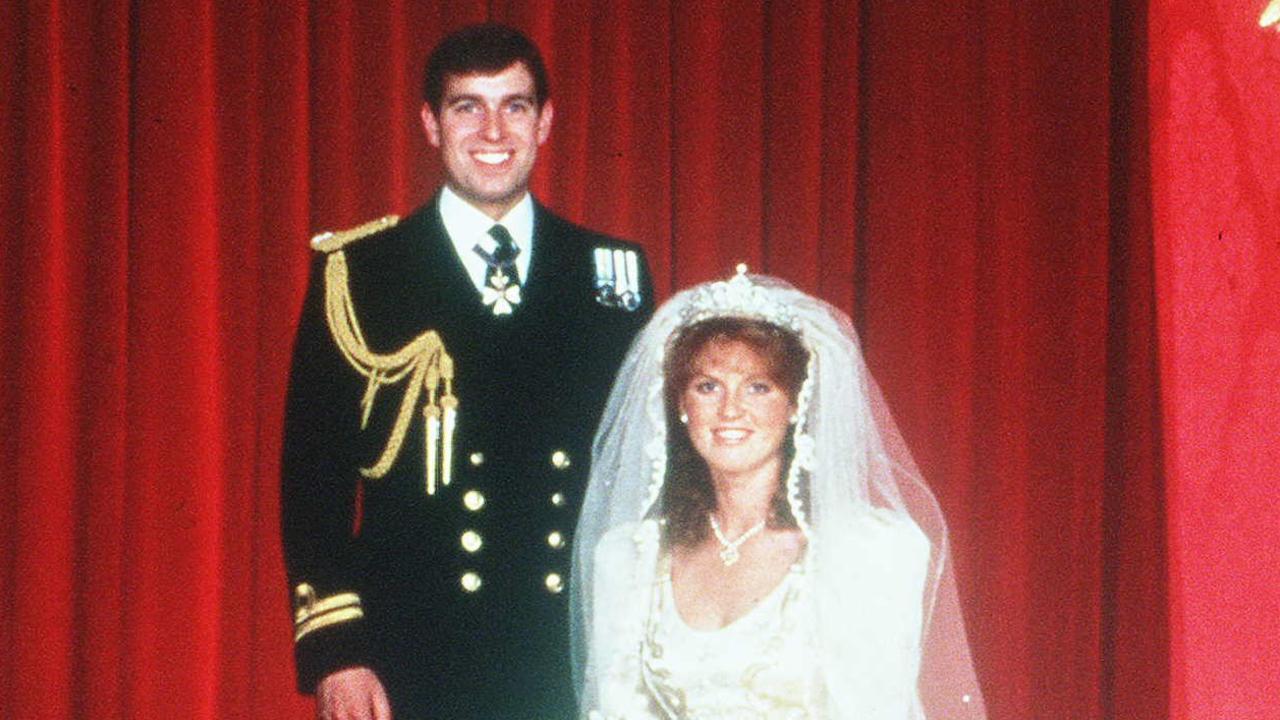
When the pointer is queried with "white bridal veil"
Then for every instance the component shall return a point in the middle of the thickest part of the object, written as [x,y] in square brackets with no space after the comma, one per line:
[851,473]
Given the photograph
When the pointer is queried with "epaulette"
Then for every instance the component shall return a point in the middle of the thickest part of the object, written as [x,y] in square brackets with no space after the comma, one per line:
[327,242]
[423,362]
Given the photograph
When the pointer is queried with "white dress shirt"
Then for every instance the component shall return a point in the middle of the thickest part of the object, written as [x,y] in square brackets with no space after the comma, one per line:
[468,227]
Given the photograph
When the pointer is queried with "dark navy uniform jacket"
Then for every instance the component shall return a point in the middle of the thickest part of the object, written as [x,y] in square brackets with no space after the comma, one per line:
[457,600]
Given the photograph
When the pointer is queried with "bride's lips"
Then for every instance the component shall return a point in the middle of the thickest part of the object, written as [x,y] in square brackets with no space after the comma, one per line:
[731,434]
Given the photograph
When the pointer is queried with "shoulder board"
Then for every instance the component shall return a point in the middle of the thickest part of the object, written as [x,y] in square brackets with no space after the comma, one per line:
[327,242]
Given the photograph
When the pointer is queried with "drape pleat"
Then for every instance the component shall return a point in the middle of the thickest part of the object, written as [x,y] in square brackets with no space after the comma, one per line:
[987,204]
[1215,158]
[969,181]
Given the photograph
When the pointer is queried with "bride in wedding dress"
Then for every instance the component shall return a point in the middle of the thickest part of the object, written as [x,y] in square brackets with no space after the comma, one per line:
[755,541]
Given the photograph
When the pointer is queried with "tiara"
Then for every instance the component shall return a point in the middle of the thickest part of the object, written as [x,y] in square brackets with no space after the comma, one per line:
[739,296]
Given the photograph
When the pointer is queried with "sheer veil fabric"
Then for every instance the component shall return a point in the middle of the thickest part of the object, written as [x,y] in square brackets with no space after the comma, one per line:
[888,639]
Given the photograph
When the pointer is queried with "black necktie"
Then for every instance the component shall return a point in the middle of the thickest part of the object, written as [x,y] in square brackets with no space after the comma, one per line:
[503,258]
[501,291]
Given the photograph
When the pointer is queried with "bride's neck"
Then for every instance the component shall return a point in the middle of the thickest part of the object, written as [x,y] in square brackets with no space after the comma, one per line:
[742,502]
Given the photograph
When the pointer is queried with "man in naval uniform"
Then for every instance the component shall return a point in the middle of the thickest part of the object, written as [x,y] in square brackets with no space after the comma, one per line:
[448,373]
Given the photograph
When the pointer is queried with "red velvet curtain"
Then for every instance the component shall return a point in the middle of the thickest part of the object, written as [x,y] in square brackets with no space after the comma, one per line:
[1216,210]
[969,179]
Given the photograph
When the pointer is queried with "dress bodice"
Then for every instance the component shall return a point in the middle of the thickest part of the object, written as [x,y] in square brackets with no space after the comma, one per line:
[758,666]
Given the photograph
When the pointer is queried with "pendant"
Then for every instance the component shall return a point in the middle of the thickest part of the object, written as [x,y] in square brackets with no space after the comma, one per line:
[729,548]
[729,556]
[501,294]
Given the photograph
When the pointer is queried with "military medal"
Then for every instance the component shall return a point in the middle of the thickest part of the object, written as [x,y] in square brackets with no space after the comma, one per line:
[501,294]
[617,282]
[501,290]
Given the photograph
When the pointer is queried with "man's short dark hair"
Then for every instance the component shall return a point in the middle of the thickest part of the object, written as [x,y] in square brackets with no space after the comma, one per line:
[486,49]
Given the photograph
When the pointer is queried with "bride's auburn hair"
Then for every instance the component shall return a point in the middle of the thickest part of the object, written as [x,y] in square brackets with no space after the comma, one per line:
[687,493]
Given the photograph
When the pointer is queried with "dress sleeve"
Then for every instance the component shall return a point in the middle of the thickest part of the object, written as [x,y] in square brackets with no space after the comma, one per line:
[871,617]
[624,576]
[319,481]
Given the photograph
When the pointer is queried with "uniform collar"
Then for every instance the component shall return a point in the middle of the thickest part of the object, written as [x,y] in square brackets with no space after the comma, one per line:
[468,227]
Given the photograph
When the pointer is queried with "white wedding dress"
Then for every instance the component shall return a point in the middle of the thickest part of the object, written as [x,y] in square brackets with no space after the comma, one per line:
[769,663]
[753,667]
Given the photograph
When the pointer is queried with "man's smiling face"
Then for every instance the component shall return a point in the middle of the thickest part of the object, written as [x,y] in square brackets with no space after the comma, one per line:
[488,130]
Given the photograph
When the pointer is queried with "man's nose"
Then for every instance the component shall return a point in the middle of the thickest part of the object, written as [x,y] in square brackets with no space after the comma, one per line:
[493,127]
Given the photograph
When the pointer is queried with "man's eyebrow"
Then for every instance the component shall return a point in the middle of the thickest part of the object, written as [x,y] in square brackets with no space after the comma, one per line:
[471,97]
[465,97]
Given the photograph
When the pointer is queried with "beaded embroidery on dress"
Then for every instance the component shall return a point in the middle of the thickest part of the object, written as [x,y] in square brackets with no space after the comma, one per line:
[754,668]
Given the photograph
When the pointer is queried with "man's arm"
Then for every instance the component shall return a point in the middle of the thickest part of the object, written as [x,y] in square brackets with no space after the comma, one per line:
[318,499]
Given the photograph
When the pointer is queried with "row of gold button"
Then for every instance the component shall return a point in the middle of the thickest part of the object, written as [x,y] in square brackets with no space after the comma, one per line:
[473,500]
[559,459]
[471,540]
[471,582]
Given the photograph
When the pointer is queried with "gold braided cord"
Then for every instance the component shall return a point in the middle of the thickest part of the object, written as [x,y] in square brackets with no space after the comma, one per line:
[423,359]
[327,242]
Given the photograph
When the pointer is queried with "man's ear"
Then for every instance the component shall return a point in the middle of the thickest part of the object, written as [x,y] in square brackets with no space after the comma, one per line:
[545,117]
[430,125]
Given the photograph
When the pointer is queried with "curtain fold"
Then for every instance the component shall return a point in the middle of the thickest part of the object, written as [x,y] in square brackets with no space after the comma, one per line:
[989,241]
[970,182]
[1215,158]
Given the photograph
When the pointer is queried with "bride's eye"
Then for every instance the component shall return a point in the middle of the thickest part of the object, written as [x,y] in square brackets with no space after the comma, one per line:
[703,387]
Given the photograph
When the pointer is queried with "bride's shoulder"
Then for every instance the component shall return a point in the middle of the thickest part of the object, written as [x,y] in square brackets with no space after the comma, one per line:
[631,538]
[882,533]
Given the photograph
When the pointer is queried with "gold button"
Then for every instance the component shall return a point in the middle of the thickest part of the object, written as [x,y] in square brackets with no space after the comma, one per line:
[560,459]
[304,596]
[473,500]
[557,499]
[470,581]
[477,458]
[471,541]
[555,583]
[555,539]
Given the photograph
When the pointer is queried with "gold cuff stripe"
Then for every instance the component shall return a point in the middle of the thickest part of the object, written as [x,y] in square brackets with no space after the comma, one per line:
[311,614]
[307,610]
[322,621]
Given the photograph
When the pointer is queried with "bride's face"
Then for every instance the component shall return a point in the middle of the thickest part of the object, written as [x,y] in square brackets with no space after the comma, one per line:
[738,413]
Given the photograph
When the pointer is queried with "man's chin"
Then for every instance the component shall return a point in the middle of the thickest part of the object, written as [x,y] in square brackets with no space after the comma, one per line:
[490,201]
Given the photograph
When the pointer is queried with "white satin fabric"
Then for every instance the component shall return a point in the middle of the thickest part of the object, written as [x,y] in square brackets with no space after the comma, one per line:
[764,664]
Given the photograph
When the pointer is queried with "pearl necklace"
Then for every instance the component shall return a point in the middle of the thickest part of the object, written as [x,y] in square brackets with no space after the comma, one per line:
[729,548]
